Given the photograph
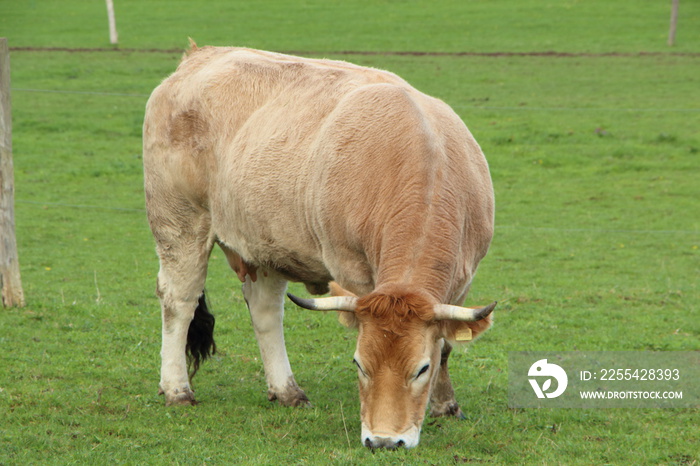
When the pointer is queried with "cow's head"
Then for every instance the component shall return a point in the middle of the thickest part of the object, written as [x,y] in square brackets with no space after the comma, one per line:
[398,356]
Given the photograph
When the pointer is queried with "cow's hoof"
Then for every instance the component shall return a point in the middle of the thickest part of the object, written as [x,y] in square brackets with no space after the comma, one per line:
[178,397]
[450,409]
[292,395]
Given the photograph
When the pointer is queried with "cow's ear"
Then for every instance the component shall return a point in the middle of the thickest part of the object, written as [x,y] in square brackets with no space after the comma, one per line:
[348,319]
[463,332]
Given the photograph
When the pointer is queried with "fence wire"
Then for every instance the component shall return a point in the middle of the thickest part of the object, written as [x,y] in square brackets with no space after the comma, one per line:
[472,107]
[498,227]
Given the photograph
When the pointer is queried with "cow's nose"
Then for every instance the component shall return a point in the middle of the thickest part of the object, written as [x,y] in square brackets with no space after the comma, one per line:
[384,442]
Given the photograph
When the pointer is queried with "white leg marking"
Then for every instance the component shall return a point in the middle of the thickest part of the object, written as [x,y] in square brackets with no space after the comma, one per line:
[177,312]
[265,298]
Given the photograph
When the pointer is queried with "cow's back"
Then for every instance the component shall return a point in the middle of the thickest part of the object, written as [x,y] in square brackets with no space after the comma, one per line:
[300,161]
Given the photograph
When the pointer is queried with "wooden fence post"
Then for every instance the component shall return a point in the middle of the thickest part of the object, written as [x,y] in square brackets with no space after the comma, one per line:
[674,22]
[112,23]
[10,283]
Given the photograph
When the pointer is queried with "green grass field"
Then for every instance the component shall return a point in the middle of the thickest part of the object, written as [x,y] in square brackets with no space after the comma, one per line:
[594,155]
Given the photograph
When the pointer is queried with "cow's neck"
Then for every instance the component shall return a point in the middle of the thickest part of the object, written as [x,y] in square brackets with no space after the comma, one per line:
[426,262]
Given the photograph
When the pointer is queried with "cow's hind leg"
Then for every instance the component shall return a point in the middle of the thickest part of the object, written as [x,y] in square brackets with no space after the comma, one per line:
[183,244]
[265,299]
[442,398]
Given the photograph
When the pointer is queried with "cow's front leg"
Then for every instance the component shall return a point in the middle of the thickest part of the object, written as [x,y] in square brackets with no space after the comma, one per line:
[442,397]
[265,299]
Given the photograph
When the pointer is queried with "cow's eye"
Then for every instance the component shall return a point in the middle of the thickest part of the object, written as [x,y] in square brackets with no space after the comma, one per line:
[359,367]
[423,370]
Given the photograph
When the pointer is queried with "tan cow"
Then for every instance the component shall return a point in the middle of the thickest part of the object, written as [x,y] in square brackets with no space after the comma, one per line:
[311,171]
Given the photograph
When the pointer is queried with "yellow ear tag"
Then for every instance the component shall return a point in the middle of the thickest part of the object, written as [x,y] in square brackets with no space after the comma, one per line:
[464,334]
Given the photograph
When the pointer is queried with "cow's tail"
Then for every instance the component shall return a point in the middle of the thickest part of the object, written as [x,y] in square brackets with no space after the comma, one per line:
[200,336]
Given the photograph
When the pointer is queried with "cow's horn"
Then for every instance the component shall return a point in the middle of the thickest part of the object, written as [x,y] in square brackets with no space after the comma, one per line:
[335,303]
[448,312]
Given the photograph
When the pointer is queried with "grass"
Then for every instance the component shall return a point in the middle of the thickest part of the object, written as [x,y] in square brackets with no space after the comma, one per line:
[597,245]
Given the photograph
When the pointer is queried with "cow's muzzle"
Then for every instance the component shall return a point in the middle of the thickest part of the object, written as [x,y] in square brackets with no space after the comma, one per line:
[384,442]
[408,439]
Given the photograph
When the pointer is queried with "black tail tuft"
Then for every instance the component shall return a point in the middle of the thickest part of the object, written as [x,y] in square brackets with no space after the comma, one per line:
[200,336]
